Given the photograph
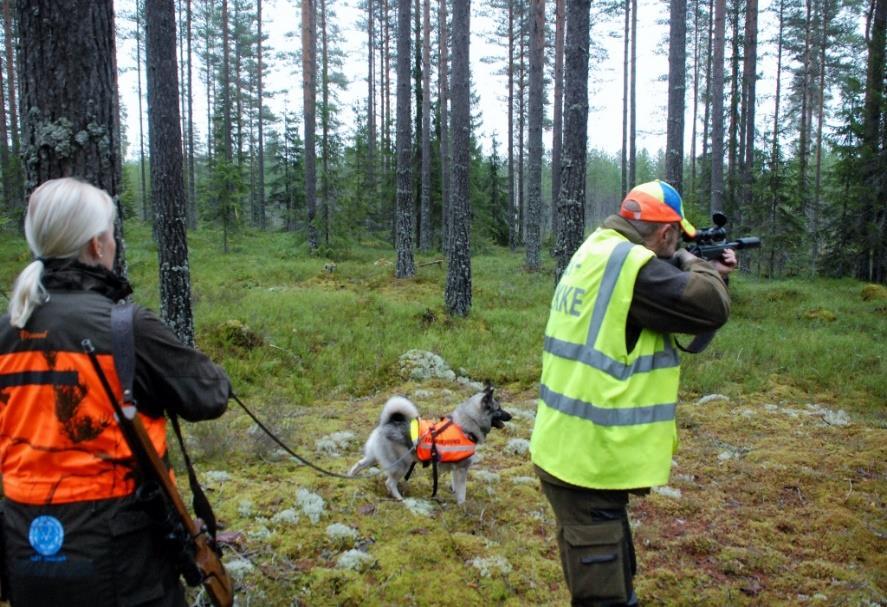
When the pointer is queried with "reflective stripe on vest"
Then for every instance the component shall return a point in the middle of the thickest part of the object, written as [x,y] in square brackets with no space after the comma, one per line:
[443,437]
[59,439]
[606,415]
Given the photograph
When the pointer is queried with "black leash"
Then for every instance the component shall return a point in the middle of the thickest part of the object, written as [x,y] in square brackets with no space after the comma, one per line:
[283,446]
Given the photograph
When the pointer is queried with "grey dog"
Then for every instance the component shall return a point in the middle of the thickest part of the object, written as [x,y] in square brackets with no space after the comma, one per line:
[391,446]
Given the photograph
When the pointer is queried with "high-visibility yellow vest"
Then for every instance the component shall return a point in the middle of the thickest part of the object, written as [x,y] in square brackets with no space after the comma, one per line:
[606,416]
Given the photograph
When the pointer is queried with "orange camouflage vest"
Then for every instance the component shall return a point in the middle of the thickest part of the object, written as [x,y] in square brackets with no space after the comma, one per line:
[441,441]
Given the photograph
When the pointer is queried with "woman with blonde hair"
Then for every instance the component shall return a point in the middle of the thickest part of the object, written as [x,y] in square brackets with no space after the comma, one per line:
[76,530]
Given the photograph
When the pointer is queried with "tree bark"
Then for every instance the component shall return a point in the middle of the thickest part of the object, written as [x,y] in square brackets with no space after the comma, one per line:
[192,172]
[557,118]
[512,208]
[425,207]
[626,60]
[261,118]
[443,94]
[534,135]
[871,264]
[677,86]
[632,102]
[405,267]
[749,79]
[68,83]
[571,203]
[717,110]
[309,93]
[165,143]
[457,295]
[371,101]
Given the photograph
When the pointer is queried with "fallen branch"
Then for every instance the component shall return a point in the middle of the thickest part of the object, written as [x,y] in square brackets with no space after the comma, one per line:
[428,263]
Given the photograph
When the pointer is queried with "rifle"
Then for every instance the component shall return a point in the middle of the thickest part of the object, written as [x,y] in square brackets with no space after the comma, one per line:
[200,561]
[710,243]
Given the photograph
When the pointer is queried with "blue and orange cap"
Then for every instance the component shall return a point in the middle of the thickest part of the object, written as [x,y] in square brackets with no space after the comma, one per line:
[658,202]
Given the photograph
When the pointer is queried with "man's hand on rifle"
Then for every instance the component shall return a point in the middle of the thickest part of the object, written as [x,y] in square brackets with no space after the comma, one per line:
[727,262]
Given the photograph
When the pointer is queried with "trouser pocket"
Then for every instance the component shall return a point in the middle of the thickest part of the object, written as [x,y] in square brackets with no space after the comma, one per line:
[595,561]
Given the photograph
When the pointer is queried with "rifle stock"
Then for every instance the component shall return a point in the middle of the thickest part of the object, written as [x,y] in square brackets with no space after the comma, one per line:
[207,559]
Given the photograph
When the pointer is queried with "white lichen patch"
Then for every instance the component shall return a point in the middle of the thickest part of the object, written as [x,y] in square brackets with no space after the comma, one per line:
[238,567]
[830,417]
[709,398]
[420,365]
[419,507]
[517,446]
[524,480]
[333,444]
[339,532]
[217,476]
[311,504]
[518,413]
[354,560]
[666,491]
[286,517]
[260,533]
[486,476]
[489,566]
[245,507]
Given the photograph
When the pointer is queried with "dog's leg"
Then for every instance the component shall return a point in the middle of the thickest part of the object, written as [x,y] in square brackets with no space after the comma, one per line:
[363,463]
[460,479]
[391,483]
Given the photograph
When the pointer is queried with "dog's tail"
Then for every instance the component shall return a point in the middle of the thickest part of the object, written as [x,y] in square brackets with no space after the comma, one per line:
[398,409]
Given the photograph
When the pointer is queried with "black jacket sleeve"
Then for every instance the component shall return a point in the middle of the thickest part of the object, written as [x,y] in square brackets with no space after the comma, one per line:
[171,376]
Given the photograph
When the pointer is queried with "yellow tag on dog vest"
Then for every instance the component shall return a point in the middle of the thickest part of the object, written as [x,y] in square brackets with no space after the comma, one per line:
[414,430]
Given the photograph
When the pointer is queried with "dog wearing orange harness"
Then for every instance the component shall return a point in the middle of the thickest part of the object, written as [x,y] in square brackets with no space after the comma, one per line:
[402,439]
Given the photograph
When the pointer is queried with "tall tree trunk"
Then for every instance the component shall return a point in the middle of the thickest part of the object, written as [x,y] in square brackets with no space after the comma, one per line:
[11,204]
[261,103]
[325,122]
[12,85]
[457,295]
[749,79]
[309,92]
[804,134]
[534,139]
[705,187]
[557,119]
[404,232]
[817,188]
[227,152]
[521,122]
[192,173]
[165,142]
[512,202]
[425,209]
[147,207]
[82,112]
[371,102]
[677,86]
[717,109]
[692,186]
[571,203]
[210,69]
[872,265]
[632,102]
[626,60]
[733,151]
[775,177]
[444,94]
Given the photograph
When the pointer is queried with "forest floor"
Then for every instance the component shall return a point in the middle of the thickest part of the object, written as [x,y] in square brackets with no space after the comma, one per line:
[778,493]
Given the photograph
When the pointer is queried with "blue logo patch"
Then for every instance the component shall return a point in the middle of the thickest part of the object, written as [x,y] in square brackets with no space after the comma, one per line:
[46,535]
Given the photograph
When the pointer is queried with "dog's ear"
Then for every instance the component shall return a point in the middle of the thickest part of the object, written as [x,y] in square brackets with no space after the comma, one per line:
[488,395]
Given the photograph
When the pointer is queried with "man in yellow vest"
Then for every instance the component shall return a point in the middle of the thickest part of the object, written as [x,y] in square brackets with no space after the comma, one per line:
[605,426]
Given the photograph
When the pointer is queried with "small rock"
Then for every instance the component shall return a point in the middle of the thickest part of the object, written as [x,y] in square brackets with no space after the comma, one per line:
[420,365]
[333,444]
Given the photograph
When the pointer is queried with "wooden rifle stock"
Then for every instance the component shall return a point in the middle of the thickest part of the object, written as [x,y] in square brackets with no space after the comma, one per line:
[214,578]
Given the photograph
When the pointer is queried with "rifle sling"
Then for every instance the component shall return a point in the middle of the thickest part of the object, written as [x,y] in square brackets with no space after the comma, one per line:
[123,350]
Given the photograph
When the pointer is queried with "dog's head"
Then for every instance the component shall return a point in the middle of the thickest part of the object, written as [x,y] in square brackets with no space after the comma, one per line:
[498,415]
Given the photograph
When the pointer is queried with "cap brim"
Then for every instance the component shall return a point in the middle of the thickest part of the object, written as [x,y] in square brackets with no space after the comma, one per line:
[688,228]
